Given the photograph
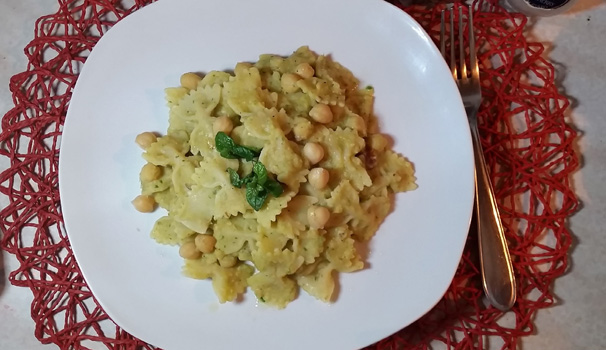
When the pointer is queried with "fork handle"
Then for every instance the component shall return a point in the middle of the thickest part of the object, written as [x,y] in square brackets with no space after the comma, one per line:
[497,270]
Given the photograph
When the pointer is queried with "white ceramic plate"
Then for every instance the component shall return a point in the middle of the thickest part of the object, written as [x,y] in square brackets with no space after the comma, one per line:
[120,94]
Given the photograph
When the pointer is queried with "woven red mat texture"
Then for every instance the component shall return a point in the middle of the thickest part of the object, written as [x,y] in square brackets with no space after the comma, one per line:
[527,141]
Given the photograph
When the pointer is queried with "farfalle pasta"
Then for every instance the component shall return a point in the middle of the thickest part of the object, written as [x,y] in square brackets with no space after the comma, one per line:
[301,175]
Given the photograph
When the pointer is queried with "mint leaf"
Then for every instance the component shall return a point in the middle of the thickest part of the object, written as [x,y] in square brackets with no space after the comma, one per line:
[274,187]
[258,183]
[245,152]
[249,178]
[234,178]
[224,145]
[229,149]
[271,185]
[261,172]
[255,194]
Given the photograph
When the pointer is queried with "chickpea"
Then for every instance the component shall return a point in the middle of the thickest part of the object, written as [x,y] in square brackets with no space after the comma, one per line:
[150,172]
[318,178]
[358,123]
[189,251]
[144,203]
[302,131]
[377,142]
[228,261]
[223,124]
[317,217]
[145,139]
[305,70]
[190,81]
[321,113]
[289,82]
[313,152]
[205,243]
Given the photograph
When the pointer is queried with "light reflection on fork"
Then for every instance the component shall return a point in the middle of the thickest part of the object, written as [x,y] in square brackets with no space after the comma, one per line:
[497,270]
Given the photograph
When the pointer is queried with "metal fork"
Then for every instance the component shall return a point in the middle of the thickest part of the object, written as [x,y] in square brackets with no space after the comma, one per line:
[497,270]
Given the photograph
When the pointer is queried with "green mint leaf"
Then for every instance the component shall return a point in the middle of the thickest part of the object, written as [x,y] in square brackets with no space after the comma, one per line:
[249,178]
[229,149]
[255,194]
[235,178]
[274,187]
[228,155]
[224,143]
[258,182]
[261,172]
[260,188]
[251,187]
[245,152]
[261,199]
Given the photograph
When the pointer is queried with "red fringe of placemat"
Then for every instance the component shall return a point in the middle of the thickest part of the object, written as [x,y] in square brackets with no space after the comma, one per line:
[527,142]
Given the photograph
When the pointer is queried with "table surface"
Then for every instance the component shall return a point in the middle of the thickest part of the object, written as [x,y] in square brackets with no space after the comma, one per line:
[577,46]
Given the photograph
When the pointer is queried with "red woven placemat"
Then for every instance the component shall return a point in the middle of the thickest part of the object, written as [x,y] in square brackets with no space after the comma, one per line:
[528,146]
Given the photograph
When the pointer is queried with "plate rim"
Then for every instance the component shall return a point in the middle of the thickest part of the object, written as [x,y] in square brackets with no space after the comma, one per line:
[144,11]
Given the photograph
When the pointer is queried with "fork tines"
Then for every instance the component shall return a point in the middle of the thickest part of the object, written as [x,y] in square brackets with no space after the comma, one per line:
[463,70]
